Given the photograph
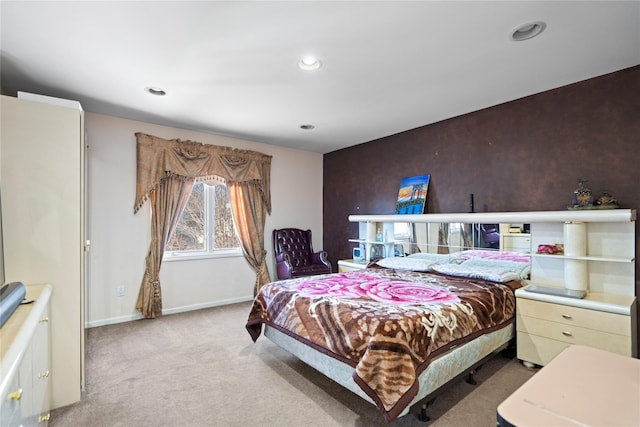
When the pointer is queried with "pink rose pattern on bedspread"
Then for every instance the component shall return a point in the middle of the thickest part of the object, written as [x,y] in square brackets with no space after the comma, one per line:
[363,285]
[385,323]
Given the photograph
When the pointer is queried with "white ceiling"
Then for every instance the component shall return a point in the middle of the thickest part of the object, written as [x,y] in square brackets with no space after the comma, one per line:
[230,67]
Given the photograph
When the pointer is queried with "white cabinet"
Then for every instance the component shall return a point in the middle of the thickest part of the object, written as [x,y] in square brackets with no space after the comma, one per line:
[25,363]
[42,175]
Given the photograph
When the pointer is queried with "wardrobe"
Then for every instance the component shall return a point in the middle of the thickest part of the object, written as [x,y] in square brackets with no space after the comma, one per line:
[42,190]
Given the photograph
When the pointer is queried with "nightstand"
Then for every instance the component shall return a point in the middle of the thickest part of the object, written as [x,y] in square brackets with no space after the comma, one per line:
[345,265]
[547,324]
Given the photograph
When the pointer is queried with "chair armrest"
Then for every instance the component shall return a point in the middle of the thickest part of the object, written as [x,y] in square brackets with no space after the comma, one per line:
[283,266]
[320,257]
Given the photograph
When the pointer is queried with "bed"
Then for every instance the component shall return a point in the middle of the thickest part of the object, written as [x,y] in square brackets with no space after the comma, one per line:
[397,331]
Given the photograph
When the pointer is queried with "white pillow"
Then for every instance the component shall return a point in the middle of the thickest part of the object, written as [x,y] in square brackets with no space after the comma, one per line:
[492,274]
[522,269]
[406,263]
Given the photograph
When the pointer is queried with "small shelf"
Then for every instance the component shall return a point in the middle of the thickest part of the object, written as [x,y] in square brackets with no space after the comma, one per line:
[624,260]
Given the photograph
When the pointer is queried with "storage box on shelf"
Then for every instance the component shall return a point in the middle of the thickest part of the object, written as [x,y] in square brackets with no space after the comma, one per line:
[599,258]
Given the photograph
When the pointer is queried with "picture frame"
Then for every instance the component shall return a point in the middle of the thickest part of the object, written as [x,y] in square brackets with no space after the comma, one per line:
[412,195]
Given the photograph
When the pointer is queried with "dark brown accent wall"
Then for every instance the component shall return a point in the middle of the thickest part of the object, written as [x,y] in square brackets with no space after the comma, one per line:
[523,155]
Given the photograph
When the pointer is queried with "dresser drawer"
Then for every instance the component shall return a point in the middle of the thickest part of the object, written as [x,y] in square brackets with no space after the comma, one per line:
[572,334]
[591,319]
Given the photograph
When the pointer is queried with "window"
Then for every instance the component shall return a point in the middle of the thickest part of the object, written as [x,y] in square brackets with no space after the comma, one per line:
[206,226]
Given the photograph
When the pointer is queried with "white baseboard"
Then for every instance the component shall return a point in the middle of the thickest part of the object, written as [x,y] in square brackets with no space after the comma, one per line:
[175,310]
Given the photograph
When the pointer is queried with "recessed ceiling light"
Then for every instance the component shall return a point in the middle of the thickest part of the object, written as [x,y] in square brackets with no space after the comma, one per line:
[307,127]
[155,91]
[309,63]
[528,31]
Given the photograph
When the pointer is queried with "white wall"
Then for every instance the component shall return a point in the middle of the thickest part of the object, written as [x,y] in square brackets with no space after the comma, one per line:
[120,239]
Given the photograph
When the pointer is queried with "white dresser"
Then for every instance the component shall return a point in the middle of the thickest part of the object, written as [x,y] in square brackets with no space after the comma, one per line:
[25,349]
[548,324]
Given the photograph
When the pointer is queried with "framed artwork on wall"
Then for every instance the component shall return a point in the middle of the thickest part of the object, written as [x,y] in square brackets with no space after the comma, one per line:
[412,196]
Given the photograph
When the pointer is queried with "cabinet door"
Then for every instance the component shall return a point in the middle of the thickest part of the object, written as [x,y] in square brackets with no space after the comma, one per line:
[41,365]
[10,406]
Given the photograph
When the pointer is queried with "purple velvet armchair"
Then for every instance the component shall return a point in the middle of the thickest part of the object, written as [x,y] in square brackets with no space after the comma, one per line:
[295,256]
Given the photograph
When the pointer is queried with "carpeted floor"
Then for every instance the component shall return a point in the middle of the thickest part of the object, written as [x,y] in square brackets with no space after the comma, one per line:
[201,369]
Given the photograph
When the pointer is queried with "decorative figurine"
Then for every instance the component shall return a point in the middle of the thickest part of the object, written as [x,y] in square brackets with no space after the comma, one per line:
[582,197]
[606,201]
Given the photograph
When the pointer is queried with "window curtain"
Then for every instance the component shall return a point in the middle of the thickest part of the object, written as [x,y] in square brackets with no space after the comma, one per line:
[166,171]
[249,218]
[167,203]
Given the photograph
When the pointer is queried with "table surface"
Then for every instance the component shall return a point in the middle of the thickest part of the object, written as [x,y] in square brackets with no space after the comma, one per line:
[579,387]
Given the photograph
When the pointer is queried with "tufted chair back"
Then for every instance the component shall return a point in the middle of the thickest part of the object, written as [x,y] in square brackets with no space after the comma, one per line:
[294,254]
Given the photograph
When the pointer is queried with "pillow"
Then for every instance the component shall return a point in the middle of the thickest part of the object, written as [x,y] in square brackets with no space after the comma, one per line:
[405,263]
[439,258]
[492,274]
[522,269]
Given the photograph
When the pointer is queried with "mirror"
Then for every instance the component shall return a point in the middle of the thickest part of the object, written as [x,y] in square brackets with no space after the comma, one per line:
[453,237]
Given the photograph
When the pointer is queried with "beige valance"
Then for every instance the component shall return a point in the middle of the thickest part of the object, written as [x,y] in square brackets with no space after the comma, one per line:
[158,158]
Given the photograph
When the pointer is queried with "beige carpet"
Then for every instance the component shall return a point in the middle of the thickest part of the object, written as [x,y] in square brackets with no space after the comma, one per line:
[201,369]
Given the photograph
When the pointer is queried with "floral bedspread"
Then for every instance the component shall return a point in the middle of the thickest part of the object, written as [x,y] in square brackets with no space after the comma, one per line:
[387,324]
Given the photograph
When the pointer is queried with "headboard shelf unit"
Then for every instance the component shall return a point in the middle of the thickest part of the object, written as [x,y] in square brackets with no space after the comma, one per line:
[598,256]
[599,245]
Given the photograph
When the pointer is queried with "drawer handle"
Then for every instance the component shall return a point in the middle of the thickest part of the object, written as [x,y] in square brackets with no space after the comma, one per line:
[44,320]
[44,374]
[567,334]
[567,316]
[43,418]
[16,395]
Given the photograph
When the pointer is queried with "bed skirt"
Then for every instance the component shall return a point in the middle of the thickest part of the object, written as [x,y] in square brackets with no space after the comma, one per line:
[441,370]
